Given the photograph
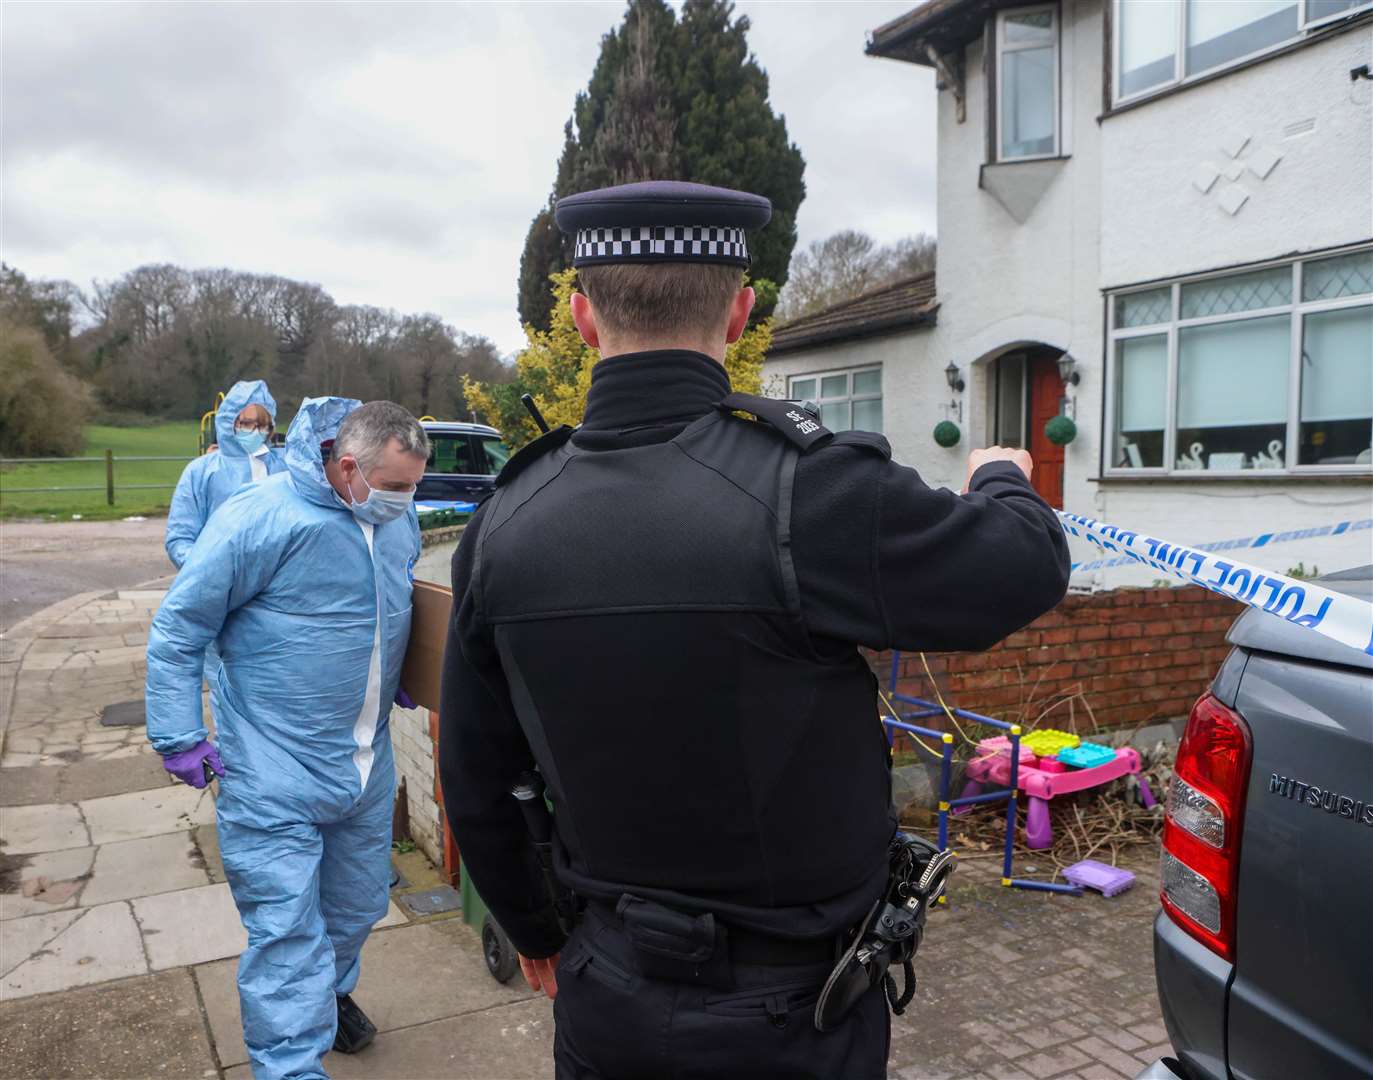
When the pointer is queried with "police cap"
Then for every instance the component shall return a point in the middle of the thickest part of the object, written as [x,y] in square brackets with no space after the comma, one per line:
[661,221]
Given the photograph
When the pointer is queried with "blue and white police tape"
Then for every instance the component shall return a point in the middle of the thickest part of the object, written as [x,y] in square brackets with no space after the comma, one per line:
[431,506]
[1241,542]
[1341,618]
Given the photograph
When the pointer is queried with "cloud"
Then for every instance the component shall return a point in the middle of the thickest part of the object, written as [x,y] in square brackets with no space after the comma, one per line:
[393,153]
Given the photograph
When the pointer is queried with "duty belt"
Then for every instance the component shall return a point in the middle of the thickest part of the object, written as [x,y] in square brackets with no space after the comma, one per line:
[679,947]
[919,873]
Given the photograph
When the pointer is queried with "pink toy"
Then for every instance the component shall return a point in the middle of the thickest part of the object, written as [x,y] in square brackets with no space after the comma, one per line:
[1041,785]
[999,746]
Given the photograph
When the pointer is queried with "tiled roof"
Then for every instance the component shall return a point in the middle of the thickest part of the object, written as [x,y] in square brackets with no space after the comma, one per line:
[901,305]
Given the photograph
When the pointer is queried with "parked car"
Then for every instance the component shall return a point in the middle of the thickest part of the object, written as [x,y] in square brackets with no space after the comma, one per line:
[1264,947]
[463,461]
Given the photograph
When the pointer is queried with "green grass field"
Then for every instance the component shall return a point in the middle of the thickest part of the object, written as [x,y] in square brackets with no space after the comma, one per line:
[177,439]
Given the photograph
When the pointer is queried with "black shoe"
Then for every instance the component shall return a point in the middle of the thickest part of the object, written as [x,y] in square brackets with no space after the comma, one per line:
[355,1031]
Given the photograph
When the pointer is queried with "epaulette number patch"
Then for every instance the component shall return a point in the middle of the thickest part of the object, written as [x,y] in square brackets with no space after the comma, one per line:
[804,424]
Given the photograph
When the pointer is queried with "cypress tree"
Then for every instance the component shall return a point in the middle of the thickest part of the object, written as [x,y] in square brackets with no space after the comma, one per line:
[673,99]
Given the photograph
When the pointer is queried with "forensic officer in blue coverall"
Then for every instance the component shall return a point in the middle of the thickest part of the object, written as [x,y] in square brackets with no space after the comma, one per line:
[244,423]
[303,582]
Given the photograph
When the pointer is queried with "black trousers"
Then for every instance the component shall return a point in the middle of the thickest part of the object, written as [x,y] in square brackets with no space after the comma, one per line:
[615,1024]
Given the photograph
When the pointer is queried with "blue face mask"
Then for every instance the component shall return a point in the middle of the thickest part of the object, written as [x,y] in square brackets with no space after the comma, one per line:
[380,506]
[251,441]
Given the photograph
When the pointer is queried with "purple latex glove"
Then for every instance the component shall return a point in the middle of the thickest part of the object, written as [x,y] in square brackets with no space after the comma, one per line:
[189,766]
[404,700]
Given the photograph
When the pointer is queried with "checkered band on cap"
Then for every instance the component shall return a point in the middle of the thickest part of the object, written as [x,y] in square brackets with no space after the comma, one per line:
[676,242]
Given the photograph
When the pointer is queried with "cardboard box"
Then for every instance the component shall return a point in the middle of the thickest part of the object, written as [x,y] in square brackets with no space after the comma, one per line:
[422,672]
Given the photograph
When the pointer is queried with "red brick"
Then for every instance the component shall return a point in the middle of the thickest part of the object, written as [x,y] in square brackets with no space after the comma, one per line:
[1127,630]
[1094,633]
[1056,637]
[988,700]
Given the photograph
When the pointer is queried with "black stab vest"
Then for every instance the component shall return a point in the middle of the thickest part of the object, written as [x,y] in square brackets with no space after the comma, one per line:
[699,748]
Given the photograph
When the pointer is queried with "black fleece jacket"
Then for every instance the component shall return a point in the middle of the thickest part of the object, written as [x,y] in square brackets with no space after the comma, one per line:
[882,560]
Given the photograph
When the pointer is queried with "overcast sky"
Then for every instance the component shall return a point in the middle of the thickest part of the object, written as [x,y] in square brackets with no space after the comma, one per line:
[394,153]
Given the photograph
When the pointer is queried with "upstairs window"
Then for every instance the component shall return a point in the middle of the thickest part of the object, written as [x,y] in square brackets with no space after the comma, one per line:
[1160,43]
[1027,75]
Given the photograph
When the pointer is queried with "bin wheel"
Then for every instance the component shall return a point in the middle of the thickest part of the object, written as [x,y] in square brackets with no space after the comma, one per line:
[499,951]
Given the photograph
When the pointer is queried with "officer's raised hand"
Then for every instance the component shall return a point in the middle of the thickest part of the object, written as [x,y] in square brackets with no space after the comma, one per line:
[541,974]
[1020,458]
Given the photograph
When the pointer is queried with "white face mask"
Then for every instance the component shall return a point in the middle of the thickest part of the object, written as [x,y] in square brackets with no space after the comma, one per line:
[380,506]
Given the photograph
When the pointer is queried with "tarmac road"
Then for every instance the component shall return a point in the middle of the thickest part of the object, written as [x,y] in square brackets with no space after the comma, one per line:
[44,562]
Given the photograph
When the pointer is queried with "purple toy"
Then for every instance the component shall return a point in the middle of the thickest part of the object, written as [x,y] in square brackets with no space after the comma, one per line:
[1108,880]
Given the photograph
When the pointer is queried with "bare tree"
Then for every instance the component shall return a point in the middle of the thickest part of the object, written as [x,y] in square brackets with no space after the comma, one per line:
[848,264]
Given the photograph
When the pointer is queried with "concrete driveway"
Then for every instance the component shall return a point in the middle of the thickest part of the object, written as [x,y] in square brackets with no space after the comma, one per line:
[44,562]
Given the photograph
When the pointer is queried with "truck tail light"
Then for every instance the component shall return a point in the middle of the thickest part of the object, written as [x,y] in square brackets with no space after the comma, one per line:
[1201,829]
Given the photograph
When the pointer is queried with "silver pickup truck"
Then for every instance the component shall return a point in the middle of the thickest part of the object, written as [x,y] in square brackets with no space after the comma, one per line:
[1264,948]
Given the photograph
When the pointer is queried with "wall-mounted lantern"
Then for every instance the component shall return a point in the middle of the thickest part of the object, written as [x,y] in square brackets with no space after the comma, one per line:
[1067,370]
[955,379]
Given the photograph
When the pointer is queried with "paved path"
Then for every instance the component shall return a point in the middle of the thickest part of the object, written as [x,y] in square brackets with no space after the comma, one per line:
[47,561]
[118,936]
[108,871]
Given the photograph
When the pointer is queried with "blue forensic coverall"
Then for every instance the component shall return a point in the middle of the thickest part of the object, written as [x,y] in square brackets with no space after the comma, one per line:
[310,609]
[210,479]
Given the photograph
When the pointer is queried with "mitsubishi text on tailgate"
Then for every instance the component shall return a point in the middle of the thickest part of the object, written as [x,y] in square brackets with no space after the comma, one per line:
[1264,948]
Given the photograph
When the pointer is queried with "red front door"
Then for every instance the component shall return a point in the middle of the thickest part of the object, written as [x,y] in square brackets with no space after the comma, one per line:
[1045,402]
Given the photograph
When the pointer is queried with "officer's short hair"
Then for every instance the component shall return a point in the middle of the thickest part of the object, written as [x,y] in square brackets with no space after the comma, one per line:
[660,298]
[366,431]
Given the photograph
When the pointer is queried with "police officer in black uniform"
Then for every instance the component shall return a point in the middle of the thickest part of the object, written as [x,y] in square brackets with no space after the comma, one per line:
[661,611]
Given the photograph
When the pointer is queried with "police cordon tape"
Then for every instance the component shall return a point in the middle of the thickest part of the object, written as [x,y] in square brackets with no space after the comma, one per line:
[1239,543]
[1341,618]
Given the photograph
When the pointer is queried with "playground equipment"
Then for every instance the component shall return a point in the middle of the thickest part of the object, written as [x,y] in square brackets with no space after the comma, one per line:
[207,425]
[1011,755]
[1073,768]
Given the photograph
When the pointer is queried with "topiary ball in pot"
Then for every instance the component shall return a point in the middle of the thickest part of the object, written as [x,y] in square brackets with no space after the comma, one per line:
[1060,430]
[946,433]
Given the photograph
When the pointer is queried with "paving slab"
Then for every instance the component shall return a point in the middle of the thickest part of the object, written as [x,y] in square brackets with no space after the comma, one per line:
[85,629]
[142,1027]
[192,926]
[170,808]
[45,827]
[144,867]
[206,838]
[97,945]
[137,771]
[508,1042]
[21,938]
[59,867]
[410,975]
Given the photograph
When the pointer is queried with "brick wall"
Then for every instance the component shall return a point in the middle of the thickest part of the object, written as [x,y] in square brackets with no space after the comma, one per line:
[1135,655]
[413,745]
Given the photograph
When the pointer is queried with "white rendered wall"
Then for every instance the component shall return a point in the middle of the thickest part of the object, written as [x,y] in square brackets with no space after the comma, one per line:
[1002,283]
[1157,223]
[1302,106]
[1122,209]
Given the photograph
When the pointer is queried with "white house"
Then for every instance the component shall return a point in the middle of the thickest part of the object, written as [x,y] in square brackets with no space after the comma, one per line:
[865,362]
[1169,203]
